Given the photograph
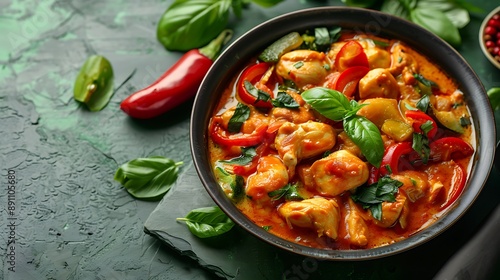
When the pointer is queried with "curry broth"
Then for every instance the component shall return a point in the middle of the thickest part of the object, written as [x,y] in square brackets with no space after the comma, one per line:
[441,177]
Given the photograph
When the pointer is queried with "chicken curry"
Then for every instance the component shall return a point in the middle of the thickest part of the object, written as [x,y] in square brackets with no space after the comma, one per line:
[340,140]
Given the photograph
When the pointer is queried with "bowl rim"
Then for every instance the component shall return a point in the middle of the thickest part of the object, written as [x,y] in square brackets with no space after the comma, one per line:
[481,34]
[483,122]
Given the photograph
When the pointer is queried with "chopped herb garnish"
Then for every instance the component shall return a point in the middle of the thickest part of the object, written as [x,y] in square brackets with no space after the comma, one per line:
[424,81]
[372,196]
[266,228]
[421,144]
[247,155]
[260,94]
[423,103]
[241,114]
[288,192]
[298,64]
[464,121]
[284,100]
[382,44]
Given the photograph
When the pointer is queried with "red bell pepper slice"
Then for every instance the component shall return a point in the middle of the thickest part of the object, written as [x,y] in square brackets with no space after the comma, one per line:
[348,80]
[419,118]
[222,137]
[253,74]
[459,179]
[351,54]
[392,155]
[447,148]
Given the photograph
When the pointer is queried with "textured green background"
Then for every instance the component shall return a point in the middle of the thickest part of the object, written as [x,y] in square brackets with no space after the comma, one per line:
[72,220]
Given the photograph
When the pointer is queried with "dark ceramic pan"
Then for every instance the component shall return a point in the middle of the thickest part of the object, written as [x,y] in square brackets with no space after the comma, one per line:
[368,21]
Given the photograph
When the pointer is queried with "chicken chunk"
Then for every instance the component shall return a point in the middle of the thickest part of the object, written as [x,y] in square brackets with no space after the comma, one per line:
[403,63]
[317,213]
[392,212]
[338,172]
[298,141]
[296,115]
[415,184]
[378,82]
[271,175]
[356,226]
[303,67]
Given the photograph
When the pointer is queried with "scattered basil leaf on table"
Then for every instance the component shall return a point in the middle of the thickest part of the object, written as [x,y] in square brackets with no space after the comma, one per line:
[207,222]
[182,24]
[494,97]
[94,83]
[372,196]
[442,17]
[187,25]
[148,178]
[336,106]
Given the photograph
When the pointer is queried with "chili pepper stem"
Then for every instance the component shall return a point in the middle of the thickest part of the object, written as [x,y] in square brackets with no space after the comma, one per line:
[213,48]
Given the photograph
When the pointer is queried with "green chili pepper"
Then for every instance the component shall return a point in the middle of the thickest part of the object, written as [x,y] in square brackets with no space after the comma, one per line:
[494,96]
[94,83]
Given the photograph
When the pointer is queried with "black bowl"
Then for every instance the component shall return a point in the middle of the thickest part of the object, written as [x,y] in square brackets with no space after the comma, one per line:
[367,21]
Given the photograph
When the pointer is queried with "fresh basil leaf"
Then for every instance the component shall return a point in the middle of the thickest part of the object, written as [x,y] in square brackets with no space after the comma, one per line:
[467,5]
[259,94]
[187,25]
[458,15]
[238,6]
[366,136]
[207,222]
[329,103]
[148,178]
[288,192]
[437,22]
[266,3]
[424,81]
[372,196]
[335,33]
[247,155]
[232,184]
[94,83]
[284,100]
[423,103]
[241,114]
[421,146]
[399,8]
[322,36]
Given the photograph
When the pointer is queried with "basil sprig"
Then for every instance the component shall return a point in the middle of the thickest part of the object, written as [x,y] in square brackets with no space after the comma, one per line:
[232,184]
[372,196]
[336,106]
[442,17]
[187,25]
[207,222]
[148,178]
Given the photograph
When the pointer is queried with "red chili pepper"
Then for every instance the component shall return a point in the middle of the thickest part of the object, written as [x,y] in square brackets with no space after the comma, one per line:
[351,54]
[447,148]
[459,179]
[253,74]
[348,80]
[177,85]
[419,118]
[222,137]
[392,155]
